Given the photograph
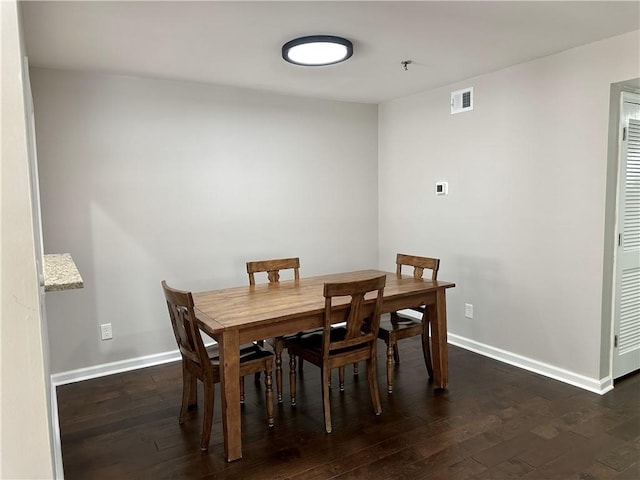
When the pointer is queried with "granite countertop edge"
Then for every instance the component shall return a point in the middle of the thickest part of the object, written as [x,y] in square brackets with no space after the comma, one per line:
[61,273]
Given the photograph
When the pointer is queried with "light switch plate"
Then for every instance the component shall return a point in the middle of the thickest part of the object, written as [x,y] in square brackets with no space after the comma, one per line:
[442,188]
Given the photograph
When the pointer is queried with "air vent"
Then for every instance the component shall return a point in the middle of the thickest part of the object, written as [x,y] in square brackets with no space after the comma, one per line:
[462,100]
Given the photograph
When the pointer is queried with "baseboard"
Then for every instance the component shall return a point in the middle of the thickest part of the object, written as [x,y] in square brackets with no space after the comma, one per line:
[96,371]
[600,386]
[58,470]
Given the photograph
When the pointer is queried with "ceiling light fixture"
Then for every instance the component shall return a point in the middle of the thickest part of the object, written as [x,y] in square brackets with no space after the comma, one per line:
[317,50]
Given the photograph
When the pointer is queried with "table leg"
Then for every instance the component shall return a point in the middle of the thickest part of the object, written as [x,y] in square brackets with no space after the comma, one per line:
[438,319]
[229,345]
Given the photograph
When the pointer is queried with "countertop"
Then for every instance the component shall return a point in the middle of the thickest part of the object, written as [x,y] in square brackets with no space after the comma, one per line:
[61,273]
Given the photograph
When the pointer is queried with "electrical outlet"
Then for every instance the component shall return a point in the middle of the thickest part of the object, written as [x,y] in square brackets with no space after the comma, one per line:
[105,331]
[468,310]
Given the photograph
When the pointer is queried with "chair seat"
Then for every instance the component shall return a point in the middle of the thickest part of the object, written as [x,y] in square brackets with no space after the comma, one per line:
[400,325]
[312,341]
[248,353]
[293,336]
[304,334]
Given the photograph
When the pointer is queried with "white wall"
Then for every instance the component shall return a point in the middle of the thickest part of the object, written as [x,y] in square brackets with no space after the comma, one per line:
[144,180]
[522,229]
[24,432]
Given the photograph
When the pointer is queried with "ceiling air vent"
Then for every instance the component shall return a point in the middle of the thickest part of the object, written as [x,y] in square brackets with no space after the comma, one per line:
[462,100]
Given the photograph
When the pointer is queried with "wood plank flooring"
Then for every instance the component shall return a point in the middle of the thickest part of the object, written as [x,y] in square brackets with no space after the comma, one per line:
[494,422]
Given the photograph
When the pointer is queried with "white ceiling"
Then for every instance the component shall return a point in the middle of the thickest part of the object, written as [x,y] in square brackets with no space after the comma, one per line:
[238,43]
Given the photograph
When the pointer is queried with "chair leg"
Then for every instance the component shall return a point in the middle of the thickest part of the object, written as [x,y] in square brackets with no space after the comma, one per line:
[278,348]
[256,376]
[189,391]
[292,379]
[241,390]
[390,373]
[356,370]
[326,405]
[209,395]
[341,378]
[426,350]
[268,382]
[396,353]
[373,385]
[193,393]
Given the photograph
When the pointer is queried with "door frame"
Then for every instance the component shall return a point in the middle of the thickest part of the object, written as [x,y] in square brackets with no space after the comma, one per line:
[610,256]
[52,400]
[626,97]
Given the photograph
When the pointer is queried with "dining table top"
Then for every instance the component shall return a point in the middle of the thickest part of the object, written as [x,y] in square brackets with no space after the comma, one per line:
[240,307]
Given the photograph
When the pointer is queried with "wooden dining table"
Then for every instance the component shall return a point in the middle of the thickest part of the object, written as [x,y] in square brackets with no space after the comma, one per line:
[238,315]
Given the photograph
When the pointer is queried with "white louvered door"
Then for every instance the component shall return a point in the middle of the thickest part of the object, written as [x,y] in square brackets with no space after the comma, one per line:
[626,355]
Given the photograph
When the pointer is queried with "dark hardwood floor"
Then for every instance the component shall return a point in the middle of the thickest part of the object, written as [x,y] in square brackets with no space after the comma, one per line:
[494,422]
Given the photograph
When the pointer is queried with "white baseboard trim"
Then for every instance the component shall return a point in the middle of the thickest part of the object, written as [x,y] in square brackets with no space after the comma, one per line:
[96,371]
[58,470]
[600,386]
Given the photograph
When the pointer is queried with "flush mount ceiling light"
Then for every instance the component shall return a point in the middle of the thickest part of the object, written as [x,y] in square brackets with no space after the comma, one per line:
[317,50]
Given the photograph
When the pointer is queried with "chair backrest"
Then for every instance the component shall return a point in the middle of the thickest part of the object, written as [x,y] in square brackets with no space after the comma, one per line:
[418,264]
[273,267]
[185,328]
[361,323]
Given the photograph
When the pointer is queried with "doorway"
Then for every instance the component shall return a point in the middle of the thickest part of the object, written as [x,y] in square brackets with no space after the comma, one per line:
[626,317]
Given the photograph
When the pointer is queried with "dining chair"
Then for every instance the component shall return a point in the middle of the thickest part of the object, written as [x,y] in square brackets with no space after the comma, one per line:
[398,326]
[201,363]
[336,347]
[272,268]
